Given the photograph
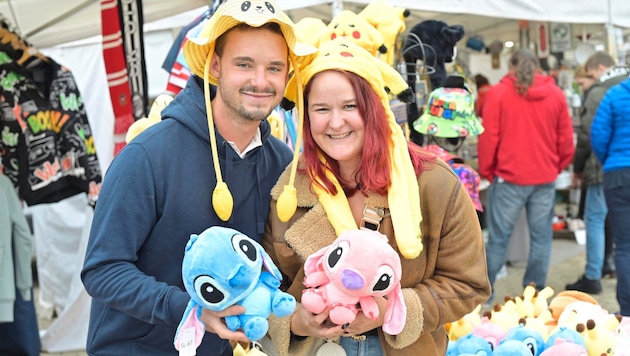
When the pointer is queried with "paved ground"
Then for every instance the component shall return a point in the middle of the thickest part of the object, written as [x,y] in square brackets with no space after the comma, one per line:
[568,261]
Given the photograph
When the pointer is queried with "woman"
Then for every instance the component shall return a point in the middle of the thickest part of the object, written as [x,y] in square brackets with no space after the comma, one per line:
[357,169]
[527,141]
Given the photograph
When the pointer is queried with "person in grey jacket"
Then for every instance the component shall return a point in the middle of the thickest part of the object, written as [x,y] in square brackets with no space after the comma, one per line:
[587,170]
[18,321]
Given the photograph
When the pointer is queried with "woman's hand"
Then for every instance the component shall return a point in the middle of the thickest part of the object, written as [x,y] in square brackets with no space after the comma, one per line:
[305,323]
[362,323]
[216,324]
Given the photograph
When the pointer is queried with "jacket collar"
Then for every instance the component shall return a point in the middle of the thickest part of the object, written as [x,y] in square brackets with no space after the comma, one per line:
[312,231]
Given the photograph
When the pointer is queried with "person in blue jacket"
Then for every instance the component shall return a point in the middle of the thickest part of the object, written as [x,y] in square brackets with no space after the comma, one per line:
[610,140]
[210,161]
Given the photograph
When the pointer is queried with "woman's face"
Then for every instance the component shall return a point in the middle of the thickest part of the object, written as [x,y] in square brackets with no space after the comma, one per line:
[336,124]
[584,83]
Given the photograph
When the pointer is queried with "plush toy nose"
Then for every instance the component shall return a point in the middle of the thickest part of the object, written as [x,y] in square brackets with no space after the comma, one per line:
[239,277]
[351,280]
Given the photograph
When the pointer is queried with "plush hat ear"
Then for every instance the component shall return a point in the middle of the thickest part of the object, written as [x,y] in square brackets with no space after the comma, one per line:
[396,313]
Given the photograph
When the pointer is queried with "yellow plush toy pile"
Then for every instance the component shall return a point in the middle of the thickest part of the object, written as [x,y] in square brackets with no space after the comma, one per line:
[356,29]
[389,20]
[153,118]
[309,30]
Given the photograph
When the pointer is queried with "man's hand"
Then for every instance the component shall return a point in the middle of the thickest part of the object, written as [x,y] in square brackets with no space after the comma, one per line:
[577,180]
[216,324]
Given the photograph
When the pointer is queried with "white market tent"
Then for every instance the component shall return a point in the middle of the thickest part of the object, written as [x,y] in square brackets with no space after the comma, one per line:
[46,23]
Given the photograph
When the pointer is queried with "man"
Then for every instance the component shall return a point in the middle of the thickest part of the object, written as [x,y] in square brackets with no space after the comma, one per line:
[587,170]
[179,177]
[528,140]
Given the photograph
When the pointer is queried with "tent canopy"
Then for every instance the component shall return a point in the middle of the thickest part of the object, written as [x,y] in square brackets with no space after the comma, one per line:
[46,23]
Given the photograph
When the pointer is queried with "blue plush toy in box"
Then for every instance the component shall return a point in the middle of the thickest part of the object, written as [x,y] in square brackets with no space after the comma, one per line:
[222,267]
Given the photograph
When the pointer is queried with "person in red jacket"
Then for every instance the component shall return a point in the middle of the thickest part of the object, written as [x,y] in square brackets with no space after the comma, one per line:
[528,141]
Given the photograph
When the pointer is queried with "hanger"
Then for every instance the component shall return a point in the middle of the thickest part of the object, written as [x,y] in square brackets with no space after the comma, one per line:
[18,49]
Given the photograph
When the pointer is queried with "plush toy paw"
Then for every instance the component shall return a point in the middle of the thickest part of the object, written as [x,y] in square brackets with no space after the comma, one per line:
[343,314]
[313,301]
[255,328]
[233,322]
[283,304]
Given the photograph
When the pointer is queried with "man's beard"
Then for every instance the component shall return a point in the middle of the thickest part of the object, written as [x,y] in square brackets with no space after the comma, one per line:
[230,98]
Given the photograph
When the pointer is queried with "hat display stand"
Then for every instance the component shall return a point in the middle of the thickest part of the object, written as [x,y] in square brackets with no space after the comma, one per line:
[417,76]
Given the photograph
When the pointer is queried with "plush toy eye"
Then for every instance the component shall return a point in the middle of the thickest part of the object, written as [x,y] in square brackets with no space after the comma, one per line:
[246,5]
[336,253]
[244,247]
[385,279]
[210,291]
[531,344]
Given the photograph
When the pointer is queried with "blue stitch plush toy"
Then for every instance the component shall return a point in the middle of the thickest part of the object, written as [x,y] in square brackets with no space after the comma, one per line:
[222,267]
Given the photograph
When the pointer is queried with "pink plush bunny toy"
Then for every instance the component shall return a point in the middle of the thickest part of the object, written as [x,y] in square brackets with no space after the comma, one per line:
[357,266]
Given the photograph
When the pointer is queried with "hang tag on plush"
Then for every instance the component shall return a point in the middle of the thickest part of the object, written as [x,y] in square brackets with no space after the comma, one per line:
[187,342]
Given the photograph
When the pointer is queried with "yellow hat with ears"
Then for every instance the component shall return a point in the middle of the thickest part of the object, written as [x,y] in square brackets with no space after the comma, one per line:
[403,193]
[199,51]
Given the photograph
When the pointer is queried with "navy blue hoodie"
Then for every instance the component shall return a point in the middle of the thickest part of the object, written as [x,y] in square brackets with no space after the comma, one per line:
[156,193]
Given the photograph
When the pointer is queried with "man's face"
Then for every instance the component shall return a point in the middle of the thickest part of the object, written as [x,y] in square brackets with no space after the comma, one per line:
[252,73]
[596,72]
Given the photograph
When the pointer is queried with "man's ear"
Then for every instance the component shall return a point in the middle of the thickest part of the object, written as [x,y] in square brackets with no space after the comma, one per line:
[215,64]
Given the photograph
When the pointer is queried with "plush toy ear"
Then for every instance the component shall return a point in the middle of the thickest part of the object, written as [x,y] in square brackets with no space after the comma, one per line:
[191,242]
[269,265]
[452,34]
[396,313]
[190,320]
[313,262]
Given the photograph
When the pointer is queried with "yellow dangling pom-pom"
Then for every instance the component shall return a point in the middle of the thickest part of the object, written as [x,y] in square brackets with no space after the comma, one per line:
[222,201]
[410,246]
[287,203]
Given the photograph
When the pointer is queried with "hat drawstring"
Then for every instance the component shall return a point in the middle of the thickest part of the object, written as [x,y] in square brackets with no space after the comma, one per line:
[222,200]
[287,201]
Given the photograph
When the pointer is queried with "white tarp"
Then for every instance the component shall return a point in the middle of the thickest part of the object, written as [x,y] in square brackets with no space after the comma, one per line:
[46,23]
[570,11]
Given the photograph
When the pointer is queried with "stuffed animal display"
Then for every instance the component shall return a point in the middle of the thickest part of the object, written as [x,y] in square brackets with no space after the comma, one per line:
[357,266]
[571,323]
[222,267]
[432,42]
